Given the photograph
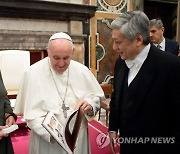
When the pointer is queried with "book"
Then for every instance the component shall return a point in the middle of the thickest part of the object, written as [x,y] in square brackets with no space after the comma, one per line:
[62,134]
[10,129]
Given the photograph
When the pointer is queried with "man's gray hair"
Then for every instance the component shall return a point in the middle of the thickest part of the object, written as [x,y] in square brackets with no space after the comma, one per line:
[131,24]
[156,22]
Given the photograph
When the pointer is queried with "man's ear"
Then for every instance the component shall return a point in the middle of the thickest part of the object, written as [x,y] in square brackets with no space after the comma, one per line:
[139,40]
[163,29]
[73,49]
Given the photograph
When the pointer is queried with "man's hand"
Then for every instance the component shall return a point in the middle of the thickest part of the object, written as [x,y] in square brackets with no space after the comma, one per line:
[52,140]
[2,134]
[10,121]
[112,137]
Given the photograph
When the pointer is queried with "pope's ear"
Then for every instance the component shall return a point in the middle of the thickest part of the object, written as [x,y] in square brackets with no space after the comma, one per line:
[73,49]
[47,49]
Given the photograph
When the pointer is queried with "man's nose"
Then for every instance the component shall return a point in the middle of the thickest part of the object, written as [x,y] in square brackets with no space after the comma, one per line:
[115,47]
[61,63]
[150,34]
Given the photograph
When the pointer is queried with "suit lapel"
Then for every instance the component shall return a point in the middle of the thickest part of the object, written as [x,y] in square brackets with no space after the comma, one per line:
[120,79]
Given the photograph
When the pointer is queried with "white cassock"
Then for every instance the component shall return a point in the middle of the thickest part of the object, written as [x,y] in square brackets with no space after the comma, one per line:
[38,94]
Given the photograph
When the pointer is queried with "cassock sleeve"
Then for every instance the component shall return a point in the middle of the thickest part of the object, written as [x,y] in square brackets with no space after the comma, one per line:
[95,103]
[36,126]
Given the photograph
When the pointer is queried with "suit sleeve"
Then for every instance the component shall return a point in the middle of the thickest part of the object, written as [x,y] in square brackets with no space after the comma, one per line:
[176,50]
[7,105]
[174,97]
[172,47]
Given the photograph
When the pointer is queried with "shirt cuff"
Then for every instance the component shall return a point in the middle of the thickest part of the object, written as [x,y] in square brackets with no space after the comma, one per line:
[112,132]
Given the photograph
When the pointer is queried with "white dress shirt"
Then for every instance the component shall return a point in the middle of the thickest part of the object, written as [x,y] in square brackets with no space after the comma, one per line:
[135,64]
[162,45]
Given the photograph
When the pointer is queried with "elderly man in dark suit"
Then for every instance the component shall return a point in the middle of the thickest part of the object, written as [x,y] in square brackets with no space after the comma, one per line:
[157,38]
[145,103]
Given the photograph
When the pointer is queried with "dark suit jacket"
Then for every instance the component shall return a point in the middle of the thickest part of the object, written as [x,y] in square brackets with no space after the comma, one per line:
[171,46]
[153,103]
[5,142]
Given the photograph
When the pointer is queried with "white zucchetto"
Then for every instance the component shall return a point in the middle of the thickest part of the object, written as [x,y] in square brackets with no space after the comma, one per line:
[60,35]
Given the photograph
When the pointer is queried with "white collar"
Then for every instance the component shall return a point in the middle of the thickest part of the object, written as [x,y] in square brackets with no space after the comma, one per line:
[140,58]
[162,44]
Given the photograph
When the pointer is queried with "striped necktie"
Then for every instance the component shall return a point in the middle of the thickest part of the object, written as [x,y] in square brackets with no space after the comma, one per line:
[158,46]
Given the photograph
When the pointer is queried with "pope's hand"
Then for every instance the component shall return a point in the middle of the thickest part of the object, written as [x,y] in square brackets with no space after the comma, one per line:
[85,106]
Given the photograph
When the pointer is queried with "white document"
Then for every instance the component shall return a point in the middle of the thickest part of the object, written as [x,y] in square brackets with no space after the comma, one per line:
[10,129]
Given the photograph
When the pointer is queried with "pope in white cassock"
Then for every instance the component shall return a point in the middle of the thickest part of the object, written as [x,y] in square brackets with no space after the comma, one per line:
[51,84]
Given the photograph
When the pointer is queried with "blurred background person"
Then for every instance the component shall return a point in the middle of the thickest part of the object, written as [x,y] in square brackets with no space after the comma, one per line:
[158,39]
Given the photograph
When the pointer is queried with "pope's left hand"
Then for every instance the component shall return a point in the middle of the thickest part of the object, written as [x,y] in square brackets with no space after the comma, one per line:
[85,106]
